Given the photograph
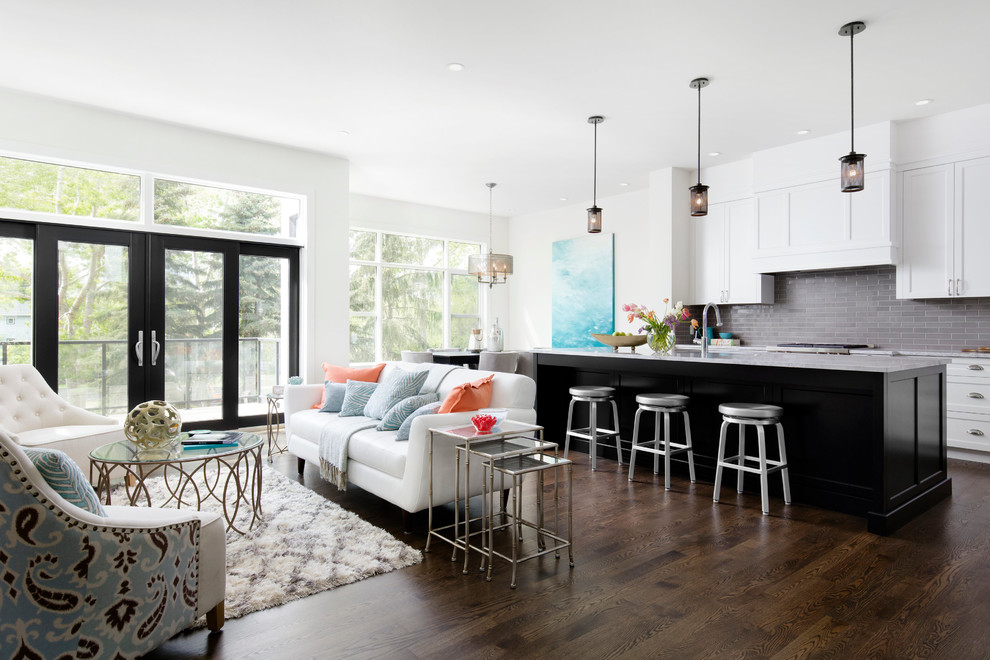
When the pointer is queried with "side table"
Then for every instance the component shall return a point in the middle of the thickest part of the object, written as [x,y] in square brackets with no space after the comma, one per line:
[274,425]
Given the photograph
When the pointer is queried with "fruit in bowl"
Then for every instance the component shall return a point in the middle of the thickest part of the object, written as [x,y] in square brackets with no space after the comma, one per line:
[483,423]
[500,414]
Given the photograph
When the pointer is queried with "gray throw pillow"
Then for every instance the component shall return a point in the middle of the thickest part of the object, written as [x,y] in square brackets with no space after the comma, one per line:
[428,409]
[334,397]
[399,412]
[356,398]
[398,386]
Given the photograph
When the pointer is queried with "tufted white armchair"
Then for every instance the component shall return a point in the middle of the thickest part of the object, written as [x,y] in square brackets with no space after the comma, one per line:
[33,415]
[79,585]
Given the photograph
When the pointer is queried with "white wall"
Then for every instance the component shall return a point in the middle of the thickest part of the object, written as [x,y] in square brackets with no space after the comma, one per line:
[404,217]
[44,127]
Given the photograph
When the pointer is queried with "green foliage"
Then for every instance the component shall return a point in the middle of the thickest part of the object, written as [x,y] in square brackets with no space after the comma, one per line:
[49,188]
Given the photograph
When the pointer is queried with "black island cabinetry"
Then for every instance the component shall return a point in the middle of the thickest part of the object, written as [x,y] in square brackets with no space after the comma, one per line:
[865,434]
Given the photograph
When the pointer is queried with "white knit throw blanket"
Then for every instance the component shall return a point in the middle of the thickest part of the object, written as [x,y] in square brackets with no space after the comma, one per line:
[334,439]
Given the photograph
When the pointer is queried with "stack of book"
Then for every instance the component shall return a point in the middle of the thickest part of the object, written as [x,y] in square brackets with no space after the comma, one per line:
[211,439]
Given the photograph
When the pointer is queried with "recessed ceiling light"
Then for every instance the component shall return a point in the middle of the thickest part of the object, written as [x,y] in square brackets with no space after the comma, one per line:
[803,131]
[455,66]
[714,153]
[563,199]
[343,133]
[923,102]
[623,184]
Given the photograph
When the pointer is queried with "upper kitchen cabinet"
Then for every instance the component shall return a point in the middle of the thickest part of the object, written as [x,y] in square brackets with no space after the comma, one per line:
[804,221]
[722,245]
[946,231]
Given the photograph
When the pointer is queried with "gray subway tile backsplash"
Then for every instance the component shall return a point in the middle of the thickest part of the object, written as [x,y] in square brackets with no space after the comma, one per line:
[854,306]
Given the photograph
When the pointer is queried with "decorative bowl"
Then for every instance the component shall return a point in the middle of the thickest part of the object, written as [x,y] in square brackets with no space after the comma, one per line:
[500,414]
[632,341]
[483,423]
[725,335]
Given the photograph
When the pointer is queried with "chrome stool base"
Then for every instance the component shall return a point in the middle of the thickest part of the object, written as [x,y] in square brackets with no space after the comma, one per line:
[593,395]
[665,405]
[760,416]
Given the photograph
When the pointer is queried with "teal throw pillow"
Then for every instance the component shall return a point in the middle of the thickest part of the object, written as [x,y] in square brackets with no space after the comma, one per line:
[66,479]
[428,409]
[398,386]
[356,397]
[397,414]
[334,397]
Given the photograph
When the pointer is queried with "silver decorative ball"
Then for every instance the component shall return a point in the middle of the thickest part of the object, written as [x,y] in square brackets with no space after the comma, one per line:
[152,424]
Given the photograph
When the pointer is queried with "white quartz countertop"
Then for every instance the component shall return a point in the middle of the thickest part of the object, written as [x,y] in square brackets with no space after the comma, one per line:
[883,363]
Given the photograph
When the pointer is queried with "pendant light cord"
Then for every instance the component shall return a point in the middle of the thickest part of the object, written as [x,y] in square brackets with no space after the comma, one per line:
[852,95]
[491,187]
[594,193]
[699,134]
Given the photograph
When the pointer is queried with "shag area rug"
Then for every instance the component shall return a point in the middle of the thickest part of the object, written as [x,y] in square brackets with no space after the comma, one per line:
[305,544]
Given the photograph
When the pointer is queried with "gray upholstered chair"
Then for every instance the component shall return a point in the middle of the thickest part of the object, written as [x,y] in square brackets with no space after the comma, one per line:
[504,361]
[77,584]
[417,356]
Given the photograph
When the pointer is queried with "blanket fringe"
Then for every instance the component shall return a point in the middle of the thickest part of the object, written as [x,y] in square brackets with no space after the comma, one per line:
[333,474]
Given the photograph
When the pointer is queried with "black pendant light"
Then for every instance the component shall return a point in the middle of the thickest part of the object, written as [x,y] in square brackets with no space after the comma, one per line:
[699,193]
[595,213]
[852,163]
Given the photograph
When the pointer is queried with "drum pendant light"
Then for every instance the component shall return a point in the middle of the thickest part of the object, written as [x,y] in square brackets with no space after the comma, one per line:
[595,213]
[699,193]
[490,268]
[852,163]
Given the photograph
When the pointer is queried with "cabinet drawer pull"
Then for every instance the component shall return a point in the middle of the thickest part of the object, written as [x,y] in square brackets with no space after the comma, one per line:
[975,395]
[975,432]
[976,367]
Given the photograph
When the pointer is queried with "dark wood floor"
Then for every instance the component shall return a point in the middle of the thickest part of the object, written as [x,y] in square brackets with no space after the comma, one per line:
[659,575]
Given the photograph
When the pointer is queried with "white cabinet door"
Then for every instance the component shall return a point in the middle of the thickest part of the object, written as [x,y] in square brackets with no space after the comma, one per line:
[708,256]
[742,284]
[972,228]
[926,267]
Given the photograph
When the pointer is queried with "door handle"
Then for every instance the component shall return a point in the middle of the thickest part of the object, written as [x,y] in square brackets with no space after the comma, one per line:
[155,349]
[975,395]
[958,287]
[975,432]
[948,287]
[139,348]
[975,367]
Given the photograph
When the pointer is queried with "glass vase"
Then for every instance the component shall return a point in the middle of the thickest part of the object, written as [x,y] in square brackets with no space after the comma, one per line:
[662,342]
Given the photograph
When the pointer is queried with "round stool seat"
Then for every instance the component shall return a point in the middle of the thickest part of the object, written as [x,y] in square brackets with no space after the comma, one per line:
[663,400]
[592,391]
[751,410]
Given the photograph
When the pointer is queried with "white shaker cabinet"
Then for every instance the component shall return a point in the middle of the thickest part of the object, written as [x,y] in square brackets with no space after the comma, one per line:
[945,231]
[722,245]
[967,403]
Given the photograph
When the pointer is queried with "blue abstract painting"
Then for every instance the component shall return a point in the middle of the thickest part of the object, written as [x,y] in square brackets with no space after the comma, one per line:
[583,290]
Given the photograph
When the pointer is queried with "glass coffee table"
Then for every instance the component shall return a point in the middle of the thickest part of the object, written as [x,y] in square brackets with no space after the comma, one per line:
[191,475]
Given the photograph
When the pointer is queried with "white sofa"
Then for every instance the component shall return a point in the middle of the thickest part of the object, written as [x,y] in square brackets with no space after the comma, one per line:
[399,471]
[33,415]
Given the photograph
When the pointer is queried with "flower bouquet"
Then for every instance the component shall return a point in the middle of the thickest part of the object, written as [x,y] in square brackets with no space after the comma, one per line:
[659,328]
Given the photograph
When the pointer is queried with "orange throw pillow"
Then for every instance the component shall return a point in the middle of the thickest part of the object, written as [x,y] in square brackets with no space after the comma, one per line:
[337,374]
[468,396]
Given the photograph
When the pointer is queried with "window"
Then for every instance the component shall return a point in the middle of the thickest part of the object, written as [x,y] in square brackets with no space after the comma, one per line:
[16,298]
[27,185]
[409,293]
[207,207]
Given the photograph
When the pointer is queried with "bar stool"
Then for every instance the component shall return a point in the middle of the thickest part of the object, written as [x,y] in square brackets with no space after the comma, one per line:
[662,404]
[759,415]
[593,395]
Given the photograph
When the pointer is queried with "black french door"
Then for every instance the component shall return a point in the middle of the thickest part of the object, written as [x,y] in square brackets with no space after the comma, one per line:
[122,317]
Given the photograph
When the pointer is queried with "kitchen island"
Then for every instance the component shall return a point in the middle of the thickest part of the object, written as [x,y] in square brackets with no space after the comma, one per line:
[866,434]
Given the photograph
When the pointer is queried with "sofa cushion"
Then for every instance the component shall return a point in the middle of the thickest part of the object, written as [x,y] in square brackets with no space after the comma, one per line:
[402,435]
[356,398]
[64,476]
[378,450]
[398,385]
[333,396]
[469,396]
[397,414]
[337,374]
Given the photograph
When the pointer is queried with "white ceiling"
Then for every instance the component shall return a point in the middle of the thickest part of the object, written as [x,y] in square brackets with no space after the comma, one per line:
[297,72]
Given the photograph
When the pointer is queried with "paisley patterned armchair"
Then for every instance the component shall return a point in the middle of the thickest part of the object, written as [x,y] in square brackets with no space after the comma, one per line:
[74,584]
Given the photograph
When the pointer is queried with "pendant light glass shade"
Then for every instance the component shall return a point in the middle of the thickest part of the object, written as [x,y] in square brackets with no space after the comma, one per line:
[852,164]
[699,192]
[595,213]
[490,268]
